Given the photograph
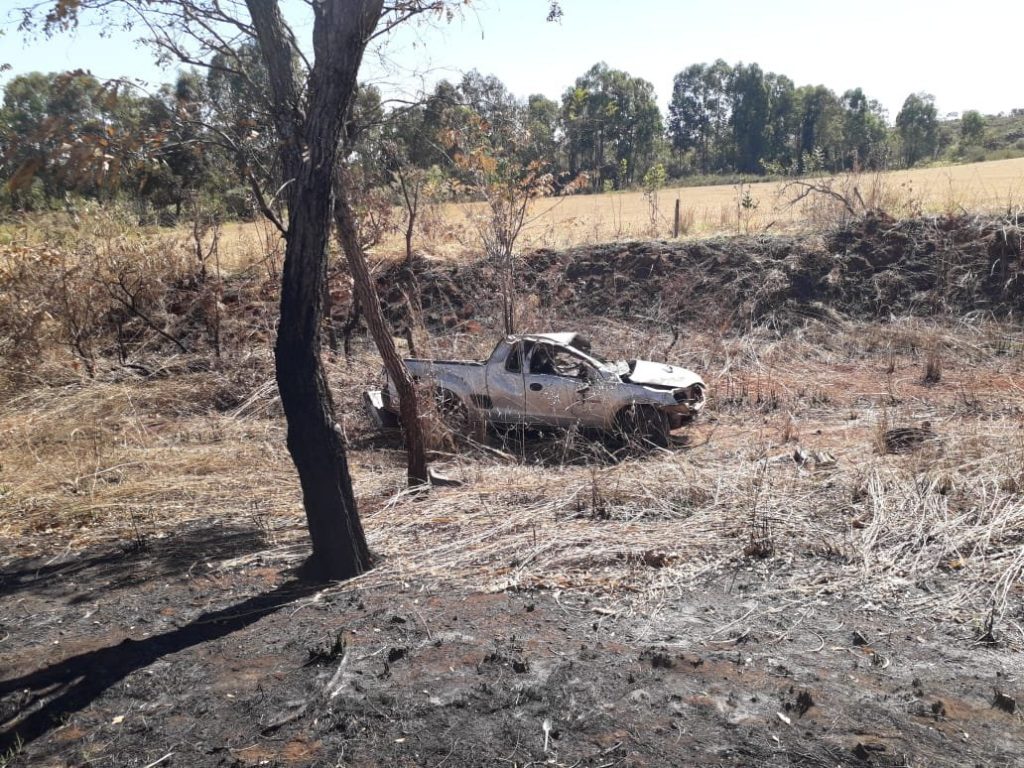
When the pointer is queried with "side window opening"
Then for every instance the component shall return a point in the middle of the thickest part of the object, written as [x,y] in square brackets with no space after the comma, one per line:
[514,361]
[555,361]
[542,361]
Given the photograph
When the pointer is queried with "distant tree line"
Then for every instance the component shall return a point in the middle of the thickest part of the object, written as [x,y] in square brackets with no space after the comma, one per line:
[208,134]
[725,119]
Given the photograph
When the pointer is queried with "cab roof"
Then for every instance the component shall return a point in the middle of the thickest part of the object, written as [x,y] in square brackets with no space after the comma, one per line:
[569,339]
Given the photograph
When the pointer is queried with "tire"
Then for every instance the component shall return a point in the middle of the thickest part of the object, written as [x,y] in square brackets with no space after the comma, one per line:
[643,426]
[453,411]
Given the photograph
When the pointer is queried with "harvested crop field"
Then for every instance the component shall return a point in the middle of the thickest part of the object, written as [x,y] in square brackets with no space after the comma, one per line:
[826,569]
[994,186]
[450,231]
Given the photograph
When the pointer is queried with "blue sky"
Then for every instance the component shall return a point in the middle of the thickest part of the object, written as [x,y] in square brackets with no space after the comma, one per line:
[963,53]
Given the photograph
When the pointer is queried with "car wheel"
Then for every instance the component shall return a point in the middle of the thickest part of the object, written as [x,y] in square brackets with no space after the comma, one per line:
[453,411]
[643,426]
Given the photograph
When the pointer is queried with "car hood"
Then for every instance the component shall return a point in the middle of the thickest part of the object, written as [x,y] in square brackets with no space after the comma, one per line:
[660,375]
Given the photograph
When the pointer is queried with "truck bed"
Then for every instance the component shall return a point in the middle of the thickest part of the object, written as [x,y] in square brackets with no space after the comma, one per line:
[425,361]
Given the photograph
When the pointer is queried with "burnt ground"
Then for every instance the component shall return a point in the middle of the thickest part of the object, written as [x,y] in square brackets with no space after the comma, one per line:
[716,606]
[213,666]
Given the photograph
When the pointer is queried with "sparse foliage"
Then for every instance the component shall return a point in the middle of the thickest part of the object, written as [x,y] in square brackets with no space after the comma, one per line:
[972,127]
[654,181]
[917,124]
[508,191]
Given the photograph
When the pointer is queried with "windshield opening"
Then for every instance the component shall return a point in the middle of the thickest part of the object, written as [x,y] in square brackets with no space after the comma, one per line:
[583,345]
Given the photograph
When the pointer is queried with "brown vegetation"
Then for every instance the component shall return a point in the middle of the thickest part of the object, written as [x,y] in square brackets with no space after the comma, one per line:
[450,230]
[152,482]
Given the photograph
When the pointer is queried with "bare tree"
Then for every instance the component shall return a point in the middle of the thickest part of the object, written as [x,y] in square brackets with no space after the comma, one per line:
[307,102]
[411,181]
[366,295]
[308,115]
[508,187]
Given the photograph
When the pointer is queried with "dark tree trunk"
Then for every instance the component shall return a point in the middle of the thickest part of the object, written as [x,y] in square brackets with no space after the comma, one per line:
[374,317]
[315,440]
[308,149]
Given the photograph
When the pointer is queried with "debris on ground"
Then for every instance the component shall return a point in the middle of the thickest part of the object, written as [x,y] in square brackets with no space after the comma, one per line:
[904,439]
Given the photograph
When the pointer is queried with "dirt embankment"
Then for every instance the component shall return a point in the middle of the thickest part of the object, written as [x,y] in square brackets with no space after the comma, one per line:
[873,268]
[139,314]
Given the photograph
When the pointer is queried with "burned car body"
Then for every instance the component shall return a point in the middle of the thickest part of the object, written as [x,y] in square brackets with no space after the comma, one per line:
[555,380]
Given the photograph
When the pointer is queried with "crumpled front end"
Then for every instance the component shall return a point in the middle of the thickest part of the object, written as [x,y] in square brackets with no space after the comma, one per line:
[682,393]
[689,401]
[660,375]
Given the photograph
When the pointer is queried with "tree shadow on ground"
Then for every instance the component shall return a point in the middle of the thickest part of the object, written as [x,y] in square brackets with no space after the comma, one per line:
[378,440]
[553,448]
[45,698]
[129,565]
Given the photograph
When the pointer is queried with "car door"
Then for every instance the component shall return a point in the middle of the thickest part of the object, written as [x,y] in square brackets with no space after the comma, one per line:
[506,386]
[528,389]
[553,384]
[593,399]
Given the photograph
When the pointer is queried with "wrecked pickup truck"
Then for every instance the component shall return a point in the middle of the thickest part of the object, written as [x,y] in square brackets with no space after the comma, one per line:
[553,380]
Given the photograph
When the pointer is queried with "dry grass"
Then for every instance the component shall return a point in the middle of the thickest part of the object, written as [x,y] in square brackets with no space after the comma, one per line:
[936,532]
[994,186]
[131,462]
[450,232]
[106,229]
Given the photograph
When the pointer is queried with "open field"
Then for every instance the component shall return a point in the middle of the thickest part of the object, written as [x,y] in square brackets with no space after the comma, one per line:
[992,187]
[785,586]
[981,187]
[450,231]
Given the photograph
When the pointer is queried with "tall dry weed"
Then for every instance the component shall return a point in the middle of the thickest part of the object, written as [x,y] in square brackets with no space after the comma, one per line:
[833,202]
[101,289]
